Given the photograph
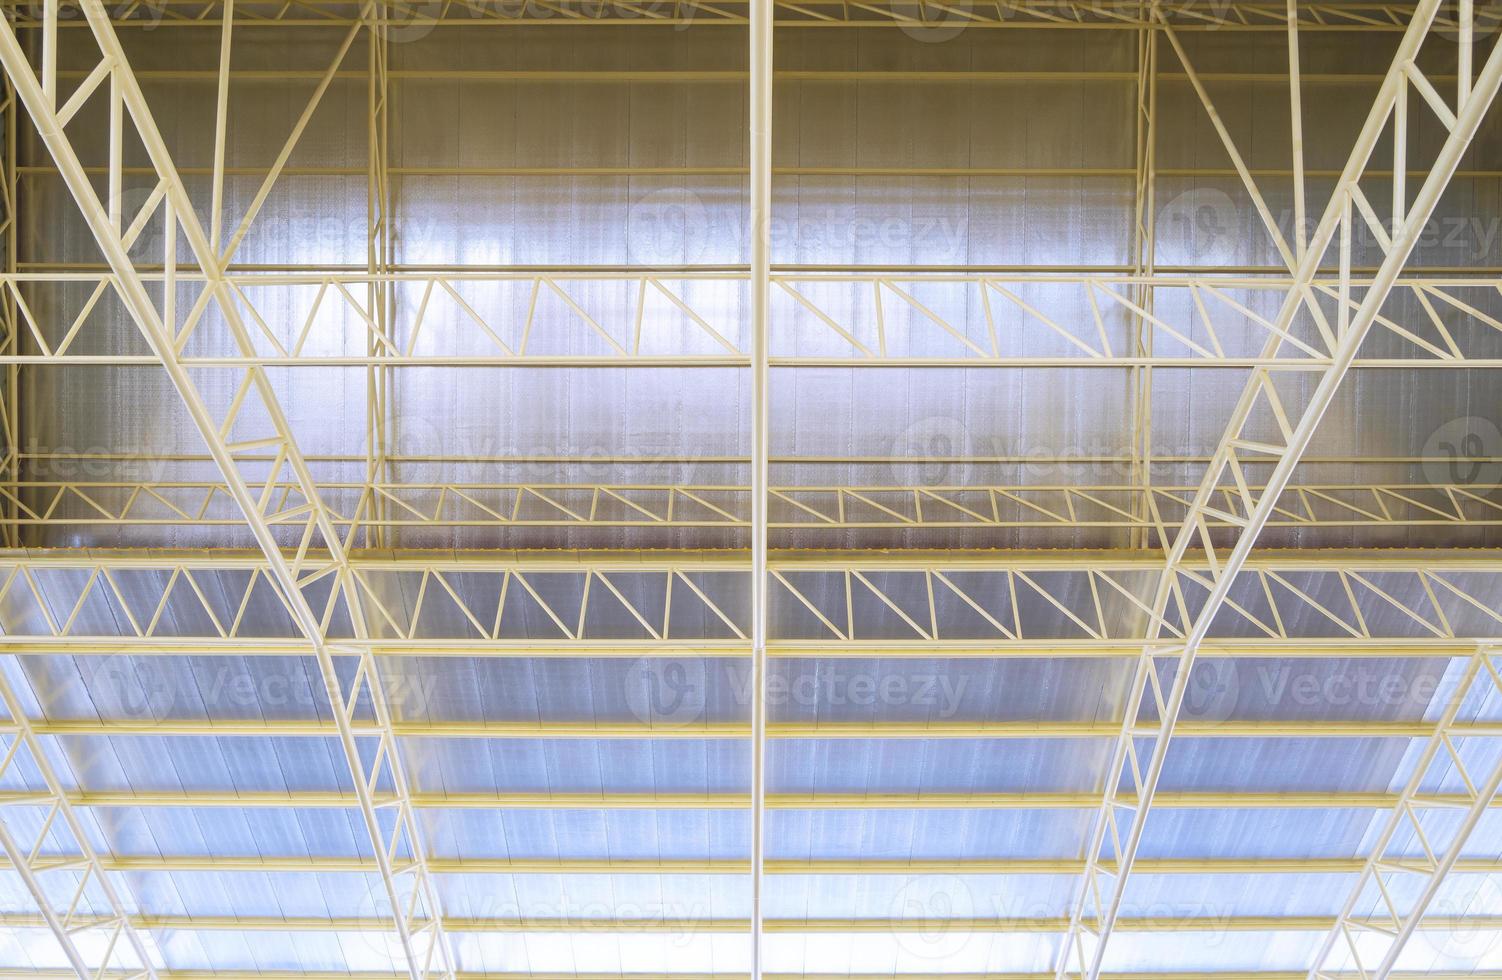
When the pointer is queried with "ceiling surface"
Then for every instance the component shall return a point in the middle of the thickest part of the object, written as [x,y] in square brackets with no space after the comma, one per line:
[703,489]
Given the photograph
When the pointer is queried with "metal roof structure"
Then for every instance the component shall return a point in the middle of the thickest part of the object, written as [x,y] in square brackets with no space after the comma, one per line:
[749,489]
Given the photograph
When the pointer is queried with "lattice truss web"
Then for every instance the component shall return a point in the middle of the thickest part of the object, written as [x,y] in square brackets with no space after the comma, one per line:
[274,708]
[579,318]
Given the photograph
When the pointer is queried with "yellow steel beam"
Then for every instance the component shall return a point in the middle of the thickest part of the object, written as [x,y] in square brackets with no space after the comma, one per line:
[1313,559]
[315,799]
[45,974]
[1260,728]
[216,864]
[684,924]
[166,646]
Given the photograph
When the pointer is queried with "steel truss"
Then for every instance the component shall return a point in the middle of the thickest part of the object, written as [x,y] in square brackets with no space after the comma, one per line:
[575,318]
[1051,14]
[373,506]
[253,419]
[1382,938]
[1098,603]
[272,864]
[1263,428]
[58,866]
[352,611]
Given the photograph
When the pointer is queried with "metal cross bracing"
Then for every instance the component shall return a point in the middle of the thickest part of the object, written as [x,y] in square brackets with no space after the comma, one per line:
[1263,427]
[572,318]
[371,507]
[49,848]
[380,309]
[77,899]
[1420,844]
[1084,606]
[1143,254]
[253,419]
[10,394]
[1071,601]
[1249,15]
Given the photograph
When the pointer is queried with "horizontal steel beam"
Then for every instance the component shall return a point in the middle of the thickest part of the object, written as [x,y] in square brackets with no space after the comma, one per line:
[730,975]
[686,924]
[1246,15]
[1028,729]
[1384,560]
[231,864]
[313,799]
[164,503]
[728,76]
[1313,648]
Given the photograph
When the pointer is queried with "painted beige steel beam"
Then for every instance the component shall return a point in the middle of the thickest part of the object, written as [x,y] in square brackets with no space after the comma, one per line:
[425,947]
[1385,560]
[238,864]
[909,600]
[582,975]
[1302,649]
[313,799]
[1247,15]
[1442,840]
[675,924]
[926,600]
[759,37]
[806,508]
[1209,321]
[947,729]
[93,944]
[1279,436]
